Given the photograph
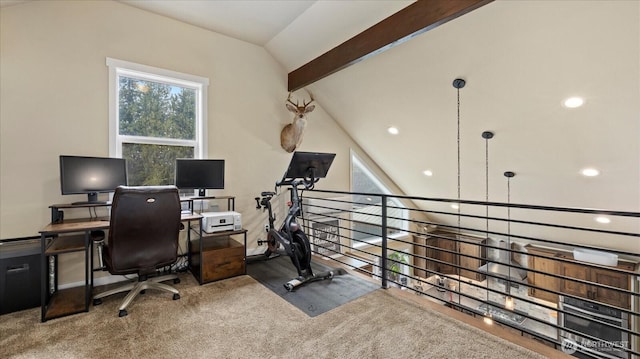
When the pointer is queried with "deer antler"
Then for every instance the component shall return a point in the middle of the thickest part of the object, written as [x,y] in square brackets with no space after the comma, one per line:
[304,103]
[291,102]
[297,104]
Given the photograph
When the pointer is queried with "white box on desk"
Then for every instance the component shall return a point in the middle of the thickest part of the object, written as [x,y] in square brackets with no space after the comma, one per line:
[221,221]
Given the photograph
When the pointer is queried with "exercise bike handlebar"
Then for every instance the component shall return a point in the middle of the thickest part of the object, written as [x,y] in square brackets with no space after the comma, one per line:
[295,182]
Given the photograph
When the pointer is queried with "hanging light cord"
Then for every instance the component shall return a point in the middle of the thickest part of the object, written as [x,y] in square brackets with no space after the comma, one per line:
[509,229]
[509,302]
[458,141]
[486,196]
[486,182]
[509,209]
[487,135]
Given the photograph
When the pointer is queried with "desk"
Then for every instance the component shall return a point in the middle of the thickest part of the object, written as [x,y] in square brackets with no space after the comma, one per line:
[67,237]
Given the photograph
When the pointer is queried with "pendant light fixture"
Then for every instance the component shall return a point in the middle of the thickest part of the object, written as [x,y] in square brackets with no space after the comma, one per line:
[509,303]
[458,84]
[487,135]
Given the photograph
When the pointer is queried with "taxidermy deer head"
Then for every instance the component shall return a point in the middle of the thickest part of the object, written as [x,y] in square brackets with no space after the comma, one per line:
[291,135]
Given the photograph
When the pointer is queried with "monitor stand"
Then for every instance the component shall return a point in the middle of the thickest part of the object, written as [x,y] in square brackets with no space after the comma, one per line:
[92,198]
[88,202]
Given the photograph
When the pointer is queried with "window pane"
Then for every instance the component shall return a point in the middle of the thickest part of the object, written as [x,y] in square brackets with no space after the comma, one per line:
[152,165]
[154,109]
[367,214]
[362,182]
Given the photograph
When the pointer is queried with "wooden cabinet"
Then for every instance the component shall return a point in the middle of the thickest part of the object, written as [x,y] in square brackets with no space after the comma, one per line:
[470,250]
[419,259]
[444,252]
[602,276]
[576,278]
[543,260]
[217,256]
[222,258]
[613,279]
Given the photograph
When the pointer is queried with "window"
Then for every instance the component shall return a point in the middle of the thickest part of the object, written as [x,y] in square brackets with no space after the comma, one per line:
[155,116]
[367,211]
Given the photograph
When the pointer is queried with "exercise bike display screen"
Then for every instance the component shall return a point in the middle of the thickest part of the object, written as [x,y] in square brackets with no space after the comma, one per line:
[309,165]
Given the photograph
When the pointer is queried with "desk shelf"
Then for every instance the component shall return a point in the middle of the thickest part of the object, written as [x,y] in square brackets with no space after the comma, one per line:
[65,302]
[65,244]
[231,201]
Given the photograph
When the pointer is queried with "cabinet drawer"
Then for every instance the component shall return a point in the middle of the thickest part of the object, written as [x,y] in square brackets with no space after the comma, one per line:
[219,262]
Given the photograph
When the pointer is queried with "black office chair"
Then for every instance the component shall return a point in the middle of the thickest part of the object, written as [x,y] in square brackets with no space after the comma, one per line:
[143,237]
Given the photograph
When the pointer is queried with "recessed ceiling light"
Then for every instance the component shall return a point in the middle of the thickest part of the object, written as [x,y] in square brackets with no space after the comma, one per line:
[573,102]
[393,130]
[603,220]
[427,173]
[590,172]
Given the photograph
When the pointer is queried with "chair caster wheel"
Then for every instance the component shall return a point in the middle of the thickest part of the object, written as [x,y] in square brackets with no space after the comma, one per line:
[176,296]
[97,301]
[176,281]
[122,313]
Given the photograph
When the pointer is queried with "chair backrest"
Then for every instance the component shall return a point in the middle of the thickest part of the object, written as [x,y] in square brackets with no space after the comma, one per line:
[144,229]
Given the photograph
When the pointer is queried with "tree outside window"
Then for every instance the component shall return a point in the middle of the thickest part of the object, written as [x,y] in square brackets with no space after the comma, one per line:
[156,117]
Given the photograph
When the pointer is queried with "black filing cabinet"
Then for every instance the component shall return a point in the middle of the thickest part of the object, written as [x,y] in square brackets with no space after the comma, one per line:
[19,274]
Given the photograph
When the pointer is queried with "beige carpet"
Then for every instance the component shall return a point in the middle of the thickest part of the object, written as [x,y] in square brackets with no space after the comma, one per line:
[239,318]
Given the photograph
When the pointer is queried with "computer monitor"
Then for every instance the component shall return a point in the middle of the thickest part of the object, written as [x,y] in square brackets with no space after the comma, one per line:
[309,165]
[91,175]
[200,174]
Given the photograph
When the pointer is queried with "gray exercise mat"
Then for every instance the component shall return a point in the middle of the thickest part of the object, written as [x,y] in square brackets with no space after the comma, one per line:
[312,298]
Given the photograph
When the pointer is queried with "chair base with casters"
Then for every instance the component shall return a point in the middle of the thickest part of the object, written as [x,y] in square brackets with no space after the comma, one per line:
[139,287]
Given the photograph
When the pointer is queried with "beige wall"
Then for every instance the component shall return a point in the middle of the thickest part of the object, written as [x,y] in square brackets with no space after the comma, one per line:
[54,100]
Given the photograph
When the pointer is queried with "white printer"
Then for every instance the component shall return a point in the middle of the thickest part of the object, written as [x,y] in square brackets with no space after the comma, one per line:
[221,221]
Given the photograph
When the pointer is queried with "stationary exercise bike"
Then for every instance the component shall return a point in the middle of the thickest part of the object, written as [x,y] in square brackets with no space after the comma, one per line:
[305,169]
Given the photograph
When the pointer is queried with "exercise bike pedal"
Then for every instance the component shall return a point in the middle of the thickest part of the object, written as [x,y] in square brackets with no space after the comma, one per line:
[292,284]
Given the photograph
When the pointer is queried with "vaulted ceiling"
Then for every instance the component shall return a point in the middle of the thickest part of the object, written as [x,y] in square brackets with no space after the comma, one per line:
[520,61]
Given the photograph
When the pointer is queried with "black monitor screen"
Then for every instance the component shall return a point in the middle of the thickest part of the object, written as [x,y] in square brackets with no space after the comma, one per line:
[199,174]
[91,175]
[309,164]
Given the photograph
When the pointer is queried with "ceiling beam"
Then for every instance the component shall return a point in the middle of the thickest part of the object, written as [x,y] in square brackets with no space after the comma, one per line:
[421,16]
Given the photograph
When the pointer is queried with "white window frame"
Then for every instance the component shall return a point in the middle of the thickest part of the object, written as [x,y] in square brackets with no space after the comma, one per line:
[356,161]
[149,73]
